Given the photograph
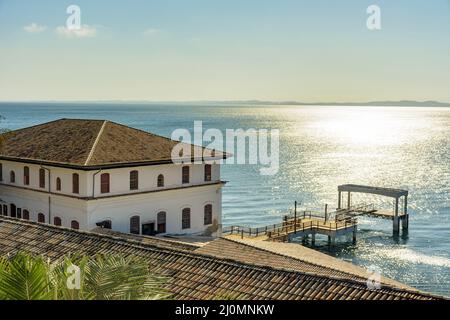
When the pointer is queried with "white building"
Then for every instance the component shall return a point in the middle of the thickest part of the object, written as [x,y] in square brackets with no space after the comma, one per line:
[88,173]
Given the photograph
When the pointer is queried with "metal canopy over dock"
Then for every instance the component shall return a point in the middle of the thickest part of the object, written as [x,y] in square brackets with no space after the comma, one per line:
[397,194]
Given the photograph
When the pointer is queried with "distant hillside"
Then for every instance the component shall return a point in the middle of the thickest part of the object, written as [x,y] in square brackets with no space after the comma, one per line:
[402,103]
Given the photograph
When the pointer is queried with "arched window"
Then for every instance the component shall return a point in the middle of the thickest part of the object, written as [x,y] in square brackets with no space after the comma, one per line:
[26,214]
[207,172]
[104,183]
[186,218]
[41,218]
[74,224]
[185,174]
[12,177]
[135,225]
[160,181]
[13,210]
[161,221]
[75,183]
[1,172]
[5,210]
[57,221]
[26,176]
[19,213]
[41,178]
[207,217]
[134,180]
[58,184]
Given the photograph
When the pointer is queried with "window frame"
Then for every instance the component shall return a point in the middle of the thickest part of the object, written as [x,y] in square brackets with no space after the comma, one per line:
[74,224]
[208,214]
[42,178]
[58,184]
[185,174]
[26,175]
[135,224]
[134,180]
[55,219]
[41,215]
[186,218]
[75,183]
[207,172]
[105,183]
[160,181]
[161,223]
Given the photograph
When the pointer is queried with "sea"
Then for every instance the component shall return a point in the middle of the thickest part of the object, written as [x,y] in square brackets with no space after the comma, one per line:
[320,147]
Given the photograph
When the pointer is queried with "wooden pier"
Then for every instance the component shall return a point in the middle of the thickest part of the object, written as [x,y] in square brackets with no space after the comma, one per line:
[341,222]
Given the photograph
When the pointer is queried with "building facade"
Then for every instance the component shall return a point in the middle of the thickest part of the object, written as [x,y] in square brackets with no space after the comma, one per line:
[108,175]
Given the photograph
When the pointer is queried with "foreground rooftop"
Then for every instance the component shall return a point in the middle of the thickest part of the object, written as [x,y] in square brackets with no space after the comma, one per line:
[223,268]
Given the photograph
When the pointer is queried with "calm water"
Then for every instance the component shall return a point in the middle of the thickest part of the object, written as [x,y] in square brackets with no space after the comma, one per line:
[320,148]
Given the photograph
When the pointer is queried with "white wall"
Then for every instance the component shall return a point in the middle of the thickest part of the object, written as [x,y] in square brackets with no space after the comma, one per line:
[148,175]
[64,174]
[67,209]
[121,203]
[120,209]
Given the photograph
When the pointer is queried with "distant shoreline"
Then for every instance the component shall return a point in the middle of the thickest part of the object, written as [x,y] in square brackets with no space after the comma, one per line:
[402,103]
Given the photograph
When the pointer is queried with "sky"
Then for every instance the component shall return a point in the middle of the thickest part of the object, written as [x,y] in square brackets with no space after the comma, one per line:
[187,50]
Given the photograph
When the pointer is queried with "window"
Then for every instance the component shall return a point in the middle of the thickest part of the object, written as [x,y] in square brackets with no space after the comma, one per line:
[160,181]
[75,183]
[41,218]
[1,172]
[74,224]
[26,176]
[186,218]
[207,172]
[185,175]
[58,184]
[12,177]
[26,214]
[57,221]
[161,220]
[5,210]
[135,223]
[104,183]
[19,213]
[207,218]
[13,210]
[134,180]
[41,178]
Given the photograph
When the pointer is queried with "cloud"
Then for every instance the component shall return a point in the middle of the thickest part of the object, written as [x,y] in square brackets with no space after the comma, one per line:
[150,32]
[34,28]
[85,31]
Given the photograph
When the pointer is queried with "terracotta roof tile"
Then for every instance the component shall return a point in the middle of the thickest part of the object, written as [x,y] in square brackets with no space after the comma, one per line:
[196,275]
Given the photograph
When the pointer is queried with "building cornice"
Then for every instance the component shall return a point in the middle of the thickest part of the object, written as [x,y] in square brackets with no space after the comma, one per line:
[108,165]
[220,183]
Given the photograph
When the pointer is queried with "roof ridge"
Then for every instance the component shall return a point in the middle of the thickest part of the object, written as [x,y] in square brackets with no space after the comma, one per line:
[91,153]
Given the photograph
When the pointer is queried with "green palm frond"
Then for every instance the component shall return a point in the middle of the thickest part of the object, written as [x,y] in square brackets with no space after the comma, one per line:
[25,278]
[110,277]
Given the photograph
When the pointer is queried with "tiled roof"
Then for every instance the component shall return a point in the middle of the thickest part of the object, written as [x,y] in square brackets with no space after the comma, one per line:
[87,143]
[197,275]
[290,256]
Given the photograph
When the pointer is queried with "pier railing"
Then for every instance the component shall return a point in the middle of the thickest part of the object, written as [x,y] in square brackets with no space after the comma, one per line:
[306,222]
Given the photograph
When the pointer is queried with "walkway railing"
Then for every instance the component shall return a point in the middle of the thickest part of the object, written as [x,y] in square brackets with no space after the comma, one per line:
[305,221]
